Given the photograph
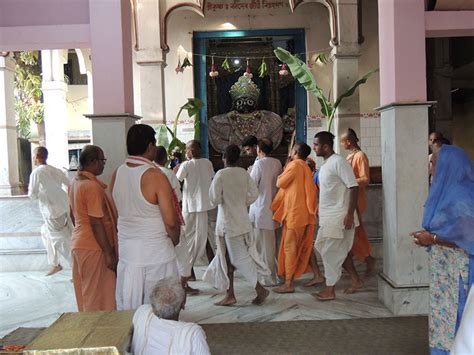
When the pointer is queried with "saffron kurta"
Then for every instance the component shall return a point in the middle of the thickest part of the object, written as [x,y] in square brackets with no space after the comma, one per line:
[94,283]
[361,248]
[295,207]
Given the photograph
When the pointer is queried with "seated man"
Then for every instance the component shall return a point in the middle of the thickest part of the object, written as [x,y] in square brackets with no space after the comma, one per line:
[156,329]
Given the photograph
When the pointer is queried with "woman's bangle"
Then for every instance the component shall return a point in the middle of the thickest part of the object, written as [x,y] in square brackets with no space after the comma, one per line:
[435,239]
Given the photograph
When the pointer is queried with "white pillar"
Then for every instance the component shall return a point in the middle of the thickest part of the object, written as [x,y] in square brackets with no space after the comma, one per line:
[151,98]
[9,173]
[403,284]
[55,106]
[109,132]
[151,61]
[346,70]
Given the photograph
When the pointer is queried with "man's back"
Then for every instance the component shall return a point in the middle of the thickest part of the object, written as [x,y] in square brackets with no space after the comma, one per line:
[197,176]
[46,185]
[233,190]
[335,179]
[141,231]
[155,336]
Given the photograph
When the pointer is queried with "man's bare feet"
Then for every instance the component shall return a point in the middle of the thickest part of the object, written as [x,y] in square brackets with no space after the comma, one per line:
[54,270]
[370,262]
[227,301]
[191,291]
[284,289]
[325,295]
[315,281]
[356,285]
[261,296]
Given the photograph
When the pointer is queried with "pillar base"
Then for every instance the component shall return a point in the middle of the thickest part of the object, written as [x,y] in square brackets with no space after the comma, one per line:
[12,190]
[403,300]
[109,132]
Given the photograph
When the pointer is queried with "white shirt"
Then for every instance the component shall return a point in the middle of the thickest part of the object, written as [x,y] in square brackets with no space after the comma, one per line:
[197,175]
[155,336]
[265,172]
[335,179]
[174,182]
[46,185]
[233,190]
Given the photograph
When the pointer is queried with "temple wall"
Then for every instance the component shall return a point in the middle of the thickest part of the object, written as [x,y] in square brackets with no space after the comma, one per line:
[314,19]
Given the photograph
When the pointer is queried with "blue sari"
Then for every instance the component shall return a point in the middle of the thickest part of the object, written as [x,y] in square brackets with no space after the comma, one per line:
[449,211]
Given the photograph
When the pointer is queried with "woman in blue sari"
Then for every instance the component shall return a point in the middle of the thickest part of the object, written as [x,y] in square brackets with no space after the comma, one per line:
[448,232]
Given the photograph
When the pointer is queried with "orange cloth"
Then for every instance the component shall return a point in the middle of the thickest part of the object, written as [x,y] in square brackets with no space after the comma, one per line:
[295,207]
[296,247]
[360,165]
[94,283]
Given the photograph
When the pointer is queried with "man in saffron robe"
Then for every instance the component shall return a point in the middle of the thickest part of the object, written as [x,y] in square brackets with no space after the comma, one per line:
[94,238]
[295,207]
[360,166]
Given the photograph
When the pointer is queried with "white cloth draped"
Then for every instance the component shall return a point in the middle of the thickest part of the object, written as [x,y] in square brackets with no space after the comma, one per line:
[155,336]
[464,342]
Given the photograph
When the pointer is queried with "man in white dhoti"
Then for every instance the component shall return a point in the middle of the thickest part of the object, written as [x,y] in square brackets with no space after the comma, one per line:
[148,225]
[265,172]
[183,254]
[48,185]
[337,220]
[197,174]
[233,190]
[156,326]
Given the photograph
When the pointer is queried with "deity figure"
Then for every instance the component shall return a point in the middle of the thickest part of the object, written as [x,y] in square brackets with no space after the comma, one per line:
[244,120]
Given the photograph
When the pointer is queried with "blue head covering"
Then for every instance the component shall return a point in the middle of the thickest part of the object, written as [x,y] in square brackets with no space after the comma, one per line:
[449,209]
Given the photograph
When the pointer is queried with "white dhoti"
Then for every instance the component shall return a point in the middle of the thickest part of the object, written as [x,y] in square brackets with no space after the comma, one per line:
[334,244]
[135,283]
[56,237]
[464,341]
[196,233]
[211,231]
[265,244]
[241,257]
[183,256]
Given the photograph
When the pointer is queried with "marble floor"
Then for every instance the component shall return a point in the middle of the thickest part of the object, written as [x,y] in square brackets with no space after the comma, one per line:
[29,299]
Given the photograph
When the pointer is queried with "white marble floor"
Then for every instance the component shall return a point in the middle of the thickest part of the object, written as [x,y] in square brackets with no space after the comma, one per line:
[29,299]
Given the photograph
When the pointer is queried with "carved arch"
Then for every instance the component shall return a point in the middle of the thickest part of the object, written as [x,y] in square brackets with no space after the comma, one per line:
[332,15]
[198,7]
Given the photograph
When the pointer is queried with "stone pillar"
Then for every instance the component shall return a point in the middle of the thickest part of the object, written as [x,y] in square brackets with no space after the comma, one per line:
[403,284]
[9,172]
[151,105]
[55,106]
[111,54]
[150,60]
[345,58]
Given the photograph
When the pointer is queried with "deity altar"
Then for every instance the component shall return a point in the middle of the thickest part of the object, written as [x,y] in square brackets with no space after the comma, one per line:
[244,119]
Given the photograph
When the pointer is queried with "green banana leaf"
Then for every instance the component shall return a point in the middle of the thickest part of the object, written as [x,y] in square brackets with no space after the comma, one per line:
[161,135]
[303,74]
[354,86]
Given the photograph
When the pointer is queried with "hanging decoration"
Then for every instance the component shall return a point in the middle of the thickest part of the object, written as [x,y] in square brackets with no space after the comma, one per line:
[248,74]
[284,70]
[263,69]
[226,64]
[179,68]
[213,73]
[321,59]
[186,63]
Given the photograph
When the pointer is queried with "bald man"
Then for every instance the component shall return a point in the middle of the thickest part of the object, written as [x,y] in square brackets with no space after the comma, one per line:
[360,166]
[48,185]
[197,173]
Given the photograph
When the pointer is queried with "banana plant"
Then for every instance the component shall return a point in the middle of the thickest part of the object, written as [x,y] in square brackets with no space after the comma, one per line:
[192,107]
[303,74]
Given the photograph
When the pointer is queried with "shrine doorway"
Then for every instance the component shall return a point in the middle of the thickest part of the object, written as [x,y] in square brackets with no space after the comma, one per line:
[279,94]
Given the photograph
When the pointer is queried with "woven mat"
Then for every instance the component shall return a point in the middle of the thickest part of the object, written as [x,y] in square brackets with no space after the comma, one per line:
[400,335]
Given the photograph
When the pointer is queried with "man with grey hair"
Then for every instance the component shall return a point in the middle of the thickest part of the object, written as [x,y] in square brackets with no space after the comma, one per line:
[156,328]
